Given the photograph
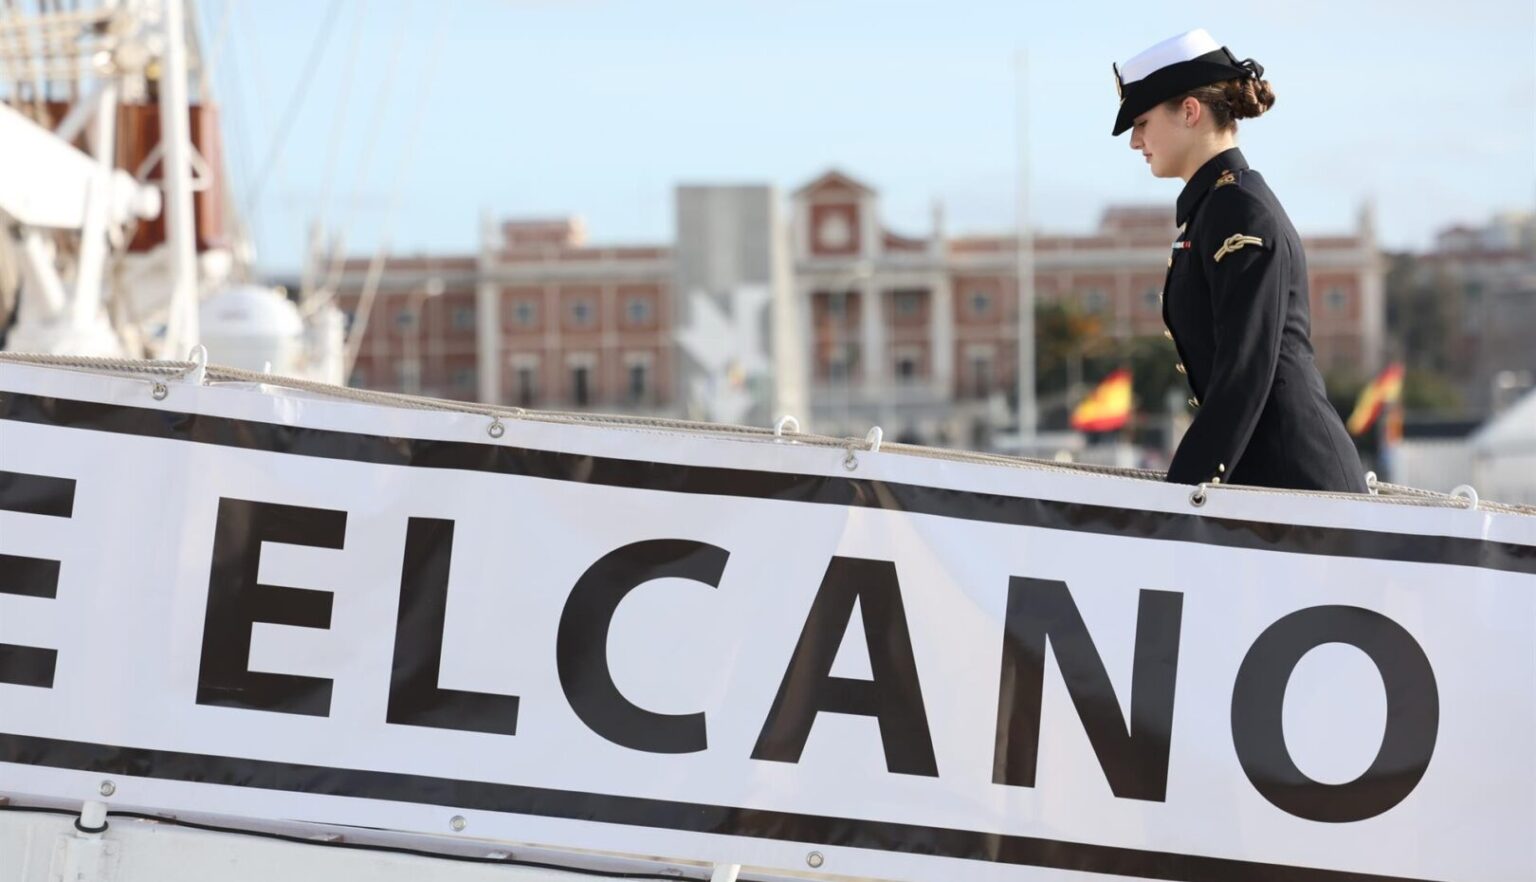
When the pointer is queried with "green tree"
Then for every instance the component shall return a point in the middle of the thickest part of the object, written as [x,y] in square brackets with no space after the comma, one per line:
[1066,338]
[1426,312]
[1426,391]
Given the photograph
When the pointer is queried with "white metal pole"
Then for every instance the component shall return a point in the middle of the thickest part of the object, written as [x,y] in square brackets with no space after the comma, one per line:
[365,301]
[846,339]
[789,364]
[1025,250]
[413,341]
[176,163]
[93,235]
[488,315]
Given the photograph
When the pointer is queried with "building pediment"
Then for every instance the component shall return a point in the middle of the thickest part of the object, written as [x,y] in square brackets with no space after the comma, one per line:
[833,183]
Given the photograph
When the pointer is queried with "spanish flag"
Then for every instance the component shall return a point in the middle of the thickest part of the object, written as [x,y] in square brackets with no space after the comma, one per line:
[1108,407]
[1384,390]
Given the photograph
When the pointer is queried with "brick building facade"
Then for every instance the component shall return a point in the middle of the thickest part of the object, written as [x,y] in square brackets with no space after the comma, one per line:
[913,331]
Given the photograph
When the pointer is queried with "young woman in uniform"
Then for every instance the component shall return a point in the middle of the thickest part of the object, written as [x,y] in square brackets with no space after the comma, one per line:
[1235,300]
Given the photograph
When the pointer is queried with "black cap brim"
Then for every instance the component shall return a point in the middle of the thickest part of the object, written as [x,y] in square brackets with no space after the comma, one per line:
[1171,81]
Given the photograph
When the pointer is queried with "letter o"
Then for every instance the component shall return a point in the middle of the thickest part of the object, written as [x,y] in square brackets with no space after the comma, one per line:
[1413,714]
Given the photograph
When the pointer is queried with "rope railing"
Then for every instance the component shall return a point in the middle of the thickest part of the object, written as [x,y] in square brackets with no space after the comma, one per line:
[158,370]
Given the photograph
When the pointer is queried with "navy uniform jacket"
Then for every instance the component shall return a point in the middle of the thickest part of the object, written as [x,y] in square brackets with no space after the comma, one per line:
[1236,306]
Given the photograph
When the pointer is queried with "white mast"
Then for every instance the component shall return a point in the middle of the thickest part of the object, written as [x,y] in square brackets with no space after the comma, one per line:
[1025,251]
[181,332]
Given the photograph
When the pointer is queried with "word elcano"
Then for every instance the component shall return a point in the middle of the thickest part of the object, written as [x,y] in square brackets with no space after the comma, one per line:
[1041,614]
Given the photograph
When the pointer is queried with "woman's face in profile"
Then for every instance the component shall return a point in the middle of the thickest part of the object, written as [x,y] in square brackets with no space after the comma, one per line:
[1160,136]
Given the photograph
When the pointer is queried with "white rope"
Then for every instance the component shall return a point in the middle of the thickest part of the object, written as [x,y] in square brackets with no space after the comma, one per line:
[363,162]
[1388,494]
[338,119]
[1397,494]
[301,90]
[207,70]
[414,129]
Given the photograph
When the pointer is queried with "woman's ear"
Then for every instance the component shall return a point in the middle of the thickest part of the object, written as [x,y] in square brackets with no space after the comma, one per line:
[1192,111]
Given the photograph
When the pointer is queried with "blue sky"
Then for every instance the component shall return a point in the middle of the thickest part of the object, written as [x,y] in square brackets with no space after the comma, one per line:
[599,107]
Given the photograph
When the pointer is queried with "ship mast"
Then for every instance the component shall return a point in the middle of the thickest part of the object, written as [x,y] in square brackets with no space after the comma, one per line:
[176,154]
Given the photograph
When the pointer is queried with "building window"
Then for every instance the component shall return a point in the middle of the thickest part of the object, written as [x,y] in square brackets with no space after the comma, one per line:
[527,385]
[408,376]
[841,360]
[463,318]
[581,385]
[581,313]
[638,382]
[981,304]
[981,374]
[638,311]
[1152,298]
[837,306]
[1095,300]
[1336,299]
[405,319]
[525,313]
[1472,306]
[907,303]
[464,379]
[906,367]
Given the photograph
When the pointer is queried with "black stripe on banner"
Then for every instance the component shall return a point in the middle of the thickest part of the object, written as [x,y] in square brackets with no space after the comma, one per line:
[28,576]
[36,494]
[747,483]
[632,811]
[27,665]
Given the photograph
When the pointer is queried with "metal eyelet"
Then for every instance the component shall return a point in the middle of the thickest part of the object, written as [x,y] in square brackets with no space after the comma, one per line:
[159,390]
[1197,497]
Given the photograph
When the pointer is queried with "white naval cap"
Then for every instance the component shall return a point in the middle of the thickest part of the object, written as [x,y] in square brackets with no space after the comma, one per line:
[1171,68]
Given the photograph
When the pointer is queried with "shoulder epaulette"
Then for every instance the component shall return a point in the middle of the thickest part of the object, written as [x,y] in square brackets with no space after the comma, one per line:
[1230,176]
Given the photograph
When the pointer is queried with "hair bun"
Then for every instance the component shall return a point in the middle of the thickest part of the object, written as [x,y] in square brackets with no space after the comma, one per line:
[1249,97]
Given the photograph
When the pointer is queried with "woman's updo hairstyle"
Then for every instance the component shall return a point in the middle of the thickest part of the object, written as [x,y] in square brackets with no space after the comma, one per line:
[1231,100]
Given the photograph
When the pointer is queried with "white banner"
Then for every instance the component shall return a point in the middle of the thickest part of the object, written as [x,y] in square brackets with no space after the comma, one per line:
[742,650]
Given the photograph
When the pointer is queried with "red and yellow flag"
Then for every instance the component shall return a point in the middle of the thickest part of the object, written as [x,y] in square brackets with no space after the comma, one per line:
[1107,407]
[1384,390]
